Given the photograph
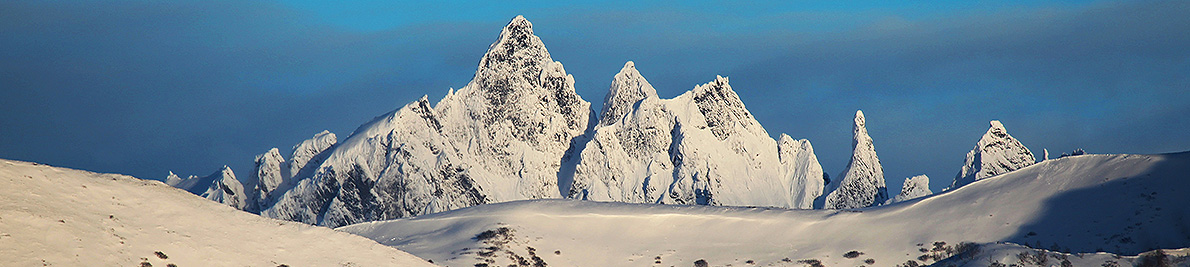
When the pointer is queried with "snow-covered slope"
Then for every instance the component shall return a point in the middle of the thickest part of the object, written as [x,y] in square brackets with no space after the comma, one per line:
[53,216]
[702,147]
[995,153]
[1123,204]
[862,183]
[1008,254]
[914,187]
[221,186]
[502,137]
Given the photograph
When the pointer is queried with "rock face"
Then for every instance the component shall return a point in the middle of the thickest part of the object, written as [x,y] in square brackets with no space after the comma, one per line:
[995,153]
[914,187]
[801,168]
[702,147]
[502,137]
[220,186]
[308,154]
[273,175]
[862,183]
[268,175]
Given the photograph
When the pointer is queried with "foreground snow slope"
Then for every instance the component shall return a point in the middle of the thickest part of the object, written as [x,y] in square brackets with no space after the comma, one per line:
[1123,204]
[1023,256]
[63,217]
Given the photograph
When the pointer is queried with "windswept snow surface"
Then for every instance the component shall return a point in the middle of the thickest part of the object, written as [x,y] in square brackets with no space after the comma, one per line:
[1124,204]
[53,216]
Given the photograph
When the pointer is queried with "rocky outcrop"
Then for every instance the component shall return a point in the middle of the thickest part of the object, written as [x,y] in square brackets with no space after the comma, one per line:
[996,153]
[914,187]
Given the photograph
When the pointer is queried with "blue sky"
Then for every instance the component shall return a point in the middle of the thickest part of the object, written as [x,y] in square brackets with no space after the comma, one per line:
[144,87]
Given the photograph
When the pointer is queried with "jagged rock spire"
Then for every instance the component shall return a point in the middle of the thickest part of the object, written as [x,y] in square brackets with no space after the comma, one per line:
[996,153]
[862,183]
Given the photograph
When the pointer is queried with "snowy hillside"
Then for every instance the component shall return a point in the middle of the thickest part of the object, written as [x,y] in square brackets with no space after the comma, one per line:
[53,216]
[1007,254]
[1125,204]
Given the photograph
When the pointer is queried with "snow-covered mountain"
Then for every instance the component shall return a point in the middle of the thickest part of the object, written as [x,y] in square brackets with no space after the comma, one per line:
[995,153]
[519,131]
[1122,204]
[914,187]
[862,183]
[221,186]
[701,147]
[504,136]
[53,216]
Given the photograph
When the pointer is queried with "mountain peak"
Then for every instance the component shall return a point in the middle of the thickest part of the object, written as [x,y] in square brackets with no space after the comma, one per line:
[862,183]
[997,128]
[515,44]
[628,87]
[860,122]
[996,153]
[723,109]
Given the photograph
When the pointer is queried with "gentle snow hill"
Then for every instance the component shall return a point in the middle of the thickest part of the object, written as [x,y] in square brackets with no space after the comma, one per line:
[1124,204]
[53,216]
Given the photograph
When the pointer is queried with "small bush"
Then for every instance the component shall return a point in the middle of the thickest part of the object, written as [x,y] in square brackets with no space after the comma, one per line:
[811,262]
[870,261]
[1036,257]
[701,263]
[852,254]
[490,234]
[161,255]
